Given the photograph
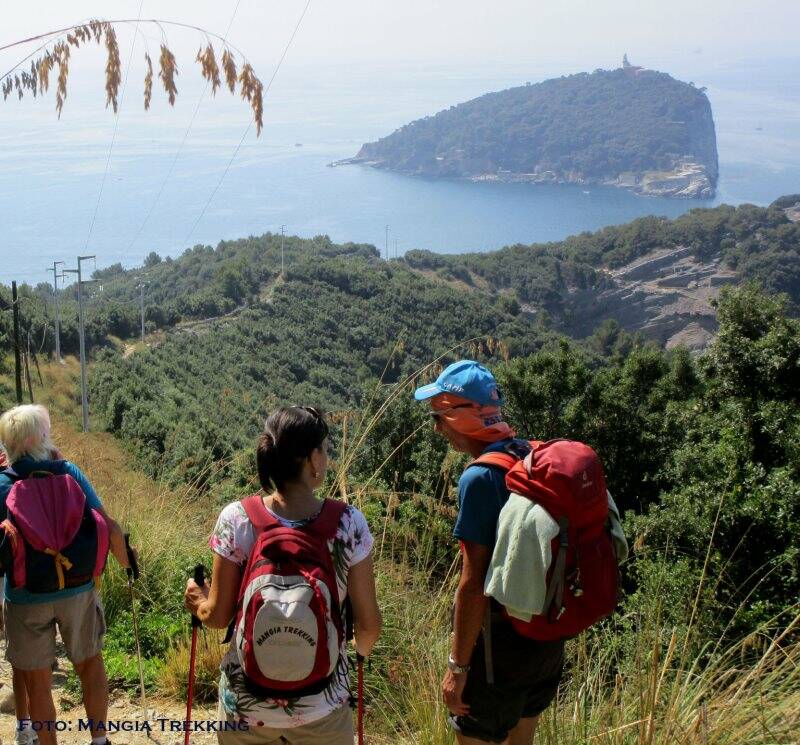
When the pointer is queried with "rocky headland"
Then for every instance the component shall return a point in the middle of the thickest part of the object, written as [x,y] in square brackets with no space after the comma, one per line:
[630,128]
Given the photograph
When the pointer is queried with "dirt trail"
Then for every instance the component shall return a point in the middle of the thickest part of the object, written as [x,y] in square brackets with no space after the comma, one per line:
[121,709]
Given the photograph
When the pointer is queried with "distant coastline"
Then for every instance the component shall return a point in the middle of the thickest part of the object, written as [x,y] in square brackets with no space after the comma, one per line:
[688,180]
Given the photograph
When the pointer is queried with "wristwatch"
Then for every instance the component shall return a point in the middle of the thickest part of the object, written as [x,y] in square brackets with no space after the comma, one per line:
[455,668]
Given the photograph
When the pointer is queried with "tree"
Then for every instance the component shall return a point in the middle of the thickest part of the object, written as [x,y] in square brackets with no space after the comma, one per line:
[152,260]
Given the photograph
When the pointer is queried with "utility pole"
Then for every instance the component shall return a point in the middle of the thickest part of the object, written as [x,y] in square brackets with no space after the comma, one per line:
[57,309]
[82,340]
[395,248]
[387,243]
[283,235]
[141,306]
[17,361]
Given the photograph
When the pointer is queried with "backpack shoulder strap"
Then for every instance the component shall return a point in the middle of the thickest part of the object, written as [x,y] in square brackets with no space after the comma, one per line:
[501,460]
[257,513]
[10,474]
[327,522]
[506,459]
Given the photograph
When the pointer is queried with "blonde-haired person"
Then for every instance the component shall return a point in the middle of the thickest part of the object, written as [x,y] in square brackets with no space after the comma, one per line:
[30,619]
[292,458]
[24,733]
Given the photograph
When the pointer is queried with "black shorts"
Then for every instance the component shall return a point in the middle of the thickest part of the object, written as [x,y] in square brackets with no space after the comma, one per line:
[526,678]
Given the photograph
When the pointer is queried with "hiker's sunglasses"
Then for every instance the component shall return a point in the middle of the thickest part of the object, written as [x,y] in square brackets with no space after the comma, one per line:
[436,415]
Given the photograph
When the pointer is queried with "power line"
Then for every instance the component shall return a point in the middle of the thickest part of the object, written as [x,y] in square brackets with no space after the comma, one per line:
[183,142]
[250,124]
[116,126]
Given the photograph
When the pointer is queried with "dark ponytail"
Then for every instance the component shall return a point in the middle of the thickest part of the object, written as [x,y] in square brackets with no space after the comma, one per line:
[290,435]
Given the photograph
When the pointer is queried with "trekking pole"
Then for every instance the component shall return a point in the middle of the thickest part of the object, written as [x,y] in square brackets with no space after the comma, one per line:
[133,574]
[360,664]
[199,578]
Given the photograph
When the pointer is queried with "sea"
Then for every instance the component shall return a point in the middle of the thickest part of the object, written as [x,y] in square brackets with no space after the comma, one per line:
[118,187]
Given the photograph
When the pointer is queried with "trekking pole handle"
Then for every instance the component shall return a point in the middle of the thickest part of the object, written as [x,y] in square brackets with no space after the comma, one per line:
[200,580]
[133,569]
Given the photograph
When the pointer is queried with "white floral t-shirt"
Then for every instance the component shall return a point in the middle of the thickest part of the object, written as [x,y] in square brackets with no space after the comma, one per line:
[233,538]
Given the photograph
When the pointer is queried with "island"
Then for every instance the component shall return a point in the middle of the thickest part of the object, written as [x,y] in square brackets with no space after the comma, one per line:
[631,128]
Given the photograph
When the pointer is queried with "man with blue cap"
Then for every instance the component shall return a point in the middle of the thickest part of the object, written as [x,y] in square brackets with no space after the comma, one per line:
[496,685]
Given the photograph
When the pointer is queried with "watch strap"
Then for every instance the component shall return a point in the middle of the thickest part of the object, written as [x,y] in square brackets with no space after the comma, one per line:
[455,668]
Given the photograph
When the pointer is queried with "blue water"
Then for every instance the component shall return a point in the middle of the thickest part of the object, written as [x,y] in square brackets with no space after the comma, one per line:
[51,171]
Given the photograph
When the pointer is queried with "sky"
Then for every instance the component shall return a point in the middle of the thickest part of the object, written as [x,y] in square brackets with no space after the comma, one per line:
[577,34]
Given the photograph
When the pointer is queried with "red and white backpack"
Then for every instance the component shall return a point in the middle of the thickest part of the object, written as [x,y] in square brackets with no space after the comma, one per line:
[566,478]
[288,628]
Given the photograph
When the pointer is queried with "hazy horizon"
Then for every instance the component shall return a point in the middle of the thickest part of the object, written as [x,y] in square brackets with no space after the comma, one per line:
[576,32]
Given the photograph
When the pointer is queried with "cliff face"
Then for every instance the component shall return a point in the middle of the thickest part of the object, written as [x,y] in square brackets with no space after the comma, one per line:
[665,295]
[631,128]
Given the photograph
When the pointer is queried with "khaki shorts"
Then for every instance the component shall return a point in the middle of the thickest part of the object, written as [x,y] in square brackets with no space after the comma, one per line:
[334,729]
[31,630]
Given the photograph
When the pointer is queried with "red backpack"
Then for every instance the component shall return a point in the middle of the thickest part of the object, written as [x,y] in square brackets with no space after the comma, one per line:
[566,479]
[288,627]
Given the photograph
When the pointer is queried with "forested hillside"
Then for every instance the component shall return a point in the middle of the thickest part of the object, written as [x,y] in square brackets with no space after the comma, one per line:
[610,126]
[555,281]
[653,275]
[322,333]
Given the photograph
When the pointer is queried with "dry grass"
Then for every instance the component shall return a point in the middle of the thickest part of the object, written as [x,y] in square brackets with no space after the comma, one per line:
[746,694]
[35,80]
[174,678]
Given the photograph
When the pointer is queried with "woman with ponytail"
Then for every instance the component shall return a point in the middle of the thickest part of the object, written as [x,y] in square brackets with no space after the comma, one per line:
[291,459]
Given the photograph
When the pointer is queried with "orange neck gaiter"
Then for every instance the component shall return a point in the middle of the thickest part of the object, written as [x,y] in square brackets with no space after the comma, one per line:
[483,423]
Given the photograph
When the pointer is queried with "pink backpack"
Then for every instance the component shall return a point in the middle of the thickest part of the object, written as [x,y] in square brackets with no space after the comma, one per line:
[288,627]
[52,539]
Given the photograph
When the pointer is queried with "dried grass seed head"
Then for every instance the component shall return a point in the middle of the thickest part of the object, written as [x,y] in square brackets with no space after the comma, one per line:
[148,82]
[113,68]
[229,66]
[167,73]
[209,67]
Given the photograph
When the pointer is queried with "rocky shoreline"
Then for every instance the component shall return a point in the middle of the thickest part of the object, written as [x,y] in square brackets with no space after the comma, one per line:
[687,180]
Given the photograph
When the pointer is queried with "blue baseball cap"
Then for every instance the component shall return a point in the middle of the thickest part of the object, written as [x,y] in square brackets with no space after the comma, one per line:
[465,378]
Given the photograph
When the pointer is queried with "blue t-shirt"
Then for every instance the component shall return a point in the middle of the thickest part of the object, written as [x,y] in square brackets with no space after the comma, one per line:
[23,467]
[482,494]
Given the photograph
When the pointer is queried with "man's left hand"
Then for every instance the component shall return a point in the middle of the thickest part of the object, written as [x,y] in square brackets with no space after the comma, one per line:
[452,690]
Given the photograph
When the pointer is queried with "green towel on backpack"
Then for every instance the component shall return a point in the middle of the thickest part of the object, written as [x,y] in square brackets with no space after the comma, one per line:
[522,554]
[521,557]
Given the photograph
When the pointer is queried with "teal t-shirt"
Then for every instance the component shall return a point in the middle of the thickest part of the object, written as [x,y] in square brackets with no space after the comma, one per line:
[22,468]
[482,494]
